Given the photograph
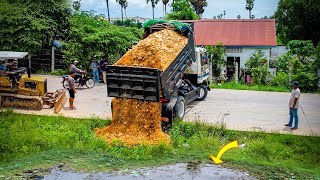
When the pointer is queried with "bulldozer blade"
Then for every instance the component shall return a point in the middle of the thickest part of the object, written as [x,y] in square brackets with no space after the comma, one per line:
[59,104]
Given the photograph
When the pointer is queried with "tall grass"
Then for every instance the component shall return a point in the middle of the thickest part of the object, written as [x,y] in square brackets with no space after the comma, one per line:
[30,142]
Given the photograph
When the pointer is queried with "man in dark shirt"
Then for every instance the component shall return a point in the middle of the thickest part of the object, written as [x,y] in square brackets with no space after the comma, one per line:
[103,64]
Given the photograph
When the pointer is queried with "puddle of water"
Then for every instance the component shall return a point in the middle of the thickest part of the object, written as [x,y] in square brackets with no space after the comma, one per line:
[192,171]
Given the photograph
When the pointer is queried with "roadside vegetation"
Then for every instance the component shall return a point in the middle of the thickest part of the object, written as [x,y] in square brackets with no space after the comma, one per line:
[30,142]
[242,86]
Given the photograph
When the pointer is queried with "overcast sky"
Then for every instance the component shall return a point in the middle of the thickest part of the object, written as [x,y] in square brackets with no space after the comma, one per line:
[215,7]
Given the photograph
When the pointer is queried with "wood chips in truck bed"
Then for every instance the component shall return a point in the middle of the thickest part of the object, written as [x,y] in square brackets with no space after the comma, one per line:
[135,121]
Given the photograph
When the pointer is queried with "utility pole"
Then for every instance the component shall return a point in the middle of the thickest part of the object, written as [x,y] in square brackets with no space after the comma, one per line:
[108,10]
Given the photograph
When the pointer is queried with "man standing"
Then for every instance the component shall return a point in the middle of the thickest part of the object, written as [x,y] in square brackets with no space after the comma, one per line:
[294,105]
[103,68]
[72,89]
[95,70]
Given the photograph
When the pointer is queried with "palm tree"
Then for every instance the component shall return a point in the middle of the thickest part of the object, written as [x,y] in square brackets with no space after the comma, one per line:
[249,7]
[239,17]
[107,1]
[198,6]
[125,9]
[224,14]
[165,2]
[153,4]
[122,3]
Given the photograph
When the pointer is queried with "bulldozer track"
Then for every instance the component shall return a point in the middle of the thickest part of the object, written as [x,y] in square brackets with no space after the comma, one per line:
[21,101]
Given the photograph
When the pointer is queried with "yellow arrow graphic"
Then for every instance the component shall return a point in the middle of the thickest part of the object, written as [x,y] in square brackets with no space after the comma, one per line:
[225,148]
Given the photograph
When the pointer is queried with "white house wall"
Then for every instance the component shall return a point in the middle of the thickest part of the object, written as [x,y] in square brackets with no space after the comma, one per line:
[247,53]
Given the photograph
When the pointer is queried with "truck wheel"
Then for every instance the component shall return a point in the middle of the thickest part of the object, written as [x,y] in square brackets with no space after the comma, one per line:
[203,92]
[180,108]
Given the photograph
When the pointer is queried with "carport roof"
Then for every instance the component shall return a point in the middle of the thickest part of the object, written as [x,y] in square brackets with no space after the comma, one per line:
[12,55]
[235,32]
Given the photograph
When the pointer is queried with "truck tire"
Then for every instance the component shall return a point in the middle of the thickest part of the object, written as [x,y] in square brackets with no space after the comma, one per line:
[180,108]
[203,92]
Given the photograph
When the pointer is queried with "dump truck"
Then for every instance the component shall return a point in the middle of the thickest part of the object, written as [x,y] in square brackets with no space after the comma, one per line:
[18,89]
[182,82]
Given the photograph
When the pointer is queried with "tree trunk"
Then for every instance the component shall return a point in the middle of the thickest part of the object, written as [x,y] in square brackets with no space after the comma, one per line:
[165,9]
[108,10]
[250,14]
[122,13]
[153,12]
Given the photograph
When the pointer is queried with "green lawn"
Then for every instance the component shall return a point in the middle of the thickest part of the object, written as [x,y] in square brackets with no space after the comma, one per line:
[239,86]
[29,142]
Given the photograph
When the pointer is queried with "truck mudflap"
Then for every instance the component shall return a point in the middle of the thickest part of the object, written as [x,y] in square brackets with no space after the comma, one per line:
[133,82]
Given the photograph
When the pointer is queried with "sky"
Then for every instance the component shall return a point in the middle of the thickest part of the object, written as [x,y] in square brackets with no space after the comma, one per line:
[140,8]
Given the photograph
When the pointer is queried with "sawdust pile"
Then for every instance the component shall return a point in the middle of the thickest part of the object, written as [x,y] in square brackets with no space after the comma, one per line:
[158,50]
[135,121]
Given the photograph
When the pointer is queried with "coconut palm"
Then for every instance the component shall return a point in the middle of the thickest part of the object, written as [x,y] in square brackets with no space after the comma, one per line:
[107,1]
[198,6]
[122,3]
[249,7]
[165,2]
[153,4]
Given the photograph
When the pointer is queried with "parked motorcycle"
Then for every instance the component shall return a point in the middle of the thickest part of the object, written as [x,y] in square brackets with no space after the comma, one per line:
[85,80]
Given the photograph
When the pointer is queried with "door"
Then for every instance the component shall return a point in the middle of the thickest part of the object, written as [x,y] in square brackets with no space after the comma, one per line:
[233,64]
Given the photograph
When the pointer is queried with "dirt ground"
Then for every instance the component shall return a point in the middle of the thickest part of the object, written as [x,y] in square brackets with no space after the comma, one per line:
[239,110]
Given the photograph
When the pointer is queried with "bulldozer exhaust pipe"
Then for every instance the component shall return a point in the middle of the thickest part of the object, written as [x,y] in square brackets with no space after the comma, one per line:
[28,71]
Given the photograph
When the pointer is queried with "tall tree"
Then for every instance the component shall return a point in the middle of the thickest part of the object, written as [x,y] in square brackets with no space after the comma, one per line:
[107,1]
[198,6]
[298,20]
[249,7]
[239,17]
[122,4]
[165,2]
[153,4]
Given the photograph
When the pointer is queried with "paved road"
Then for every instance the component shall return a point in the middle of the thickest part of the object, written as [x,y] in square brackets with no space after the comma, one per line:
[239,110]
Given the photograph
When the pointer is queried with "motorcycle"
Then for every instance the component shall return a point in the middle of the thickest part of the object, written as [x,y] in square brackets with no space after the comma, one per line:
[84,80]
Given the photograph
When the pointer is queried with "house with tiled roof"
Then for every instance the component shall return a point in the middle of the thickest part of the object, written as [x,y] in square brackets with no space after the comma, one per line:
[241,37]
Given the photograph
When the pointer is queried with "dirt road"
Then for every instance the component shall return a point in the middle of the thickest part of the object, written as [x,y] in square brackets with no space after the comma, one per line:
[239,110]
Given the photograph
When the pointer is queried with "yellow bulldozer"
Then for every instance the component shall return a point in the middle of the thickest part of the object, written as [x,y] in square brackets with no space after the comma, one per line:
[18,89]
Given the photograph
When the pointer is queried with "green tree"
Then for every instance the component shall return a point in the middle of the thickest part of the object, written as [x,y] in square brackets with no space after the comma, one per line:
[122,4]
[30,25]
[249,7]
[302,49]
[93,35]
[298,20]
[218,54]
[153,4]
[258,66]
[181,10]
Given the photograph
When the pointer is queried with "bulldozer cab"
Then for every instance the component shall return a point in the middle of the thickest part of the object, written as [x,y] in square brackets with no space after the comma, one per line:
[33,86]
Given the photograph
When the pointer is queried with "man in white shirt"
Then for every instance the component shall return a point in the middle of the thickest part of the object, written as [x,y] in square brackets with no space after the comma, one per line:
[294,105]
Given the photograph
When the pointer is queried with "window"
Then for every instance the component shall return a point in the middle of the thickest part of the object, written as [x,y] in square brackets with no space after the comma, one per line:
[234,50]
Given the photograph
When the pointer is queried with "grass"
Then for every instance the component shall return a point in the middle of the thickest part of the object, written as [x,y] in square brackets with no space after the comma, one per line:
[240,86]
[30,142]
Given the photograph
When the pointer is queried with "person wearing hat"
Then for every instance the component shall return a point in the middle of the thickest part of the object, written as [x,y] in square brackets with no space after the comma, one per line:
[294,105]
[77,71]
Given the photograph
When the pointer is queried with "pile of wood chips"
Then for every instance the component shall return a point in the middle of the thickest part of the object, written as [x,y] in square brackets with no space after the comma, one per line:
[135,121]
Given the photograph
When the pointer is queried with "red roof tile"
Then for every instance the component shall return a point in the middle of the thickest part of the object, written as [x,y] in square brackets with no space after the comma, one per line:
[240,32]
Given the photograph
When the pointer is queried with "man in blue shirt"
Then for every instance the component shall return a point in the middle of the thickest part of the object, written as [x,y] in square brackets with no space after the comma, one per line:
[103,68]
[95,70]
[3,66]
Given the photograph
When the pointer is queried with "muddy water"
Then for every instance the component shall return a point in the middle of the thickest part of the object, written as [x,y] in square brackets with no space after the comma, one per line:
[169,172]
